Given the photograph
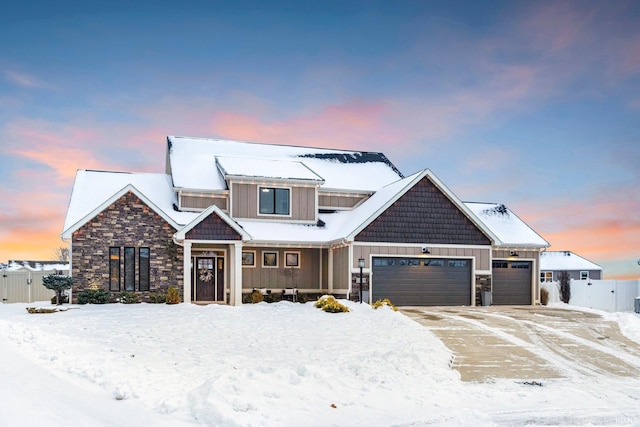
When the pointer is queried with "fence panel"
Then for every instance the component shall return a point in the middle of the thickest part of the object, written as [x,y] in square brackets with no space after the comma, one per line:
[607,295]
[14,286]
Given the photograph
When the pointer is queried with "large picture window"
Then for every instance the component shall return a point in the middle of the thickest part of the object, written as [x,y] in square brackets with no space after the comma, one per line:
[114,269]
[274,201]
[144,270]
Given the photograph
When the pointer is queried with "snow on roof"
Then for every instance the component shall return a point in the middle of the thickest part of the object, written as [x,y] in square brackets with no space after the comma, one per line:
[506,225]
[93,188]
[265,168]
[16,265]
[565,260]
[192,163]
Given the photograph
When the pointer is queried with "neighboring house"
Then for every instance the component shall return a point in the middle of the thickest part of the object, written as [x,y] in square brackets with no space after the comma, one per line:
[228,217]
[53,267]
[552,263]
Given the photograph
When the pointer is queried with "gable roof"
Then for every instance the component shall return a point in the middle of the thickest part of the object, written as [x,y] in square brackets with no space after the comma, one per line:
[212,210]
[93,191]
[373,207]
[510,230]
[191,162]
[565,260]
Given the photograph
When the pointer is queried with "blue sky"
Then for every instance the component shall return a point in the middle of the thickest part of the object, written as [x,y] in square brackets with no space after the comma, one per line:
[535,104]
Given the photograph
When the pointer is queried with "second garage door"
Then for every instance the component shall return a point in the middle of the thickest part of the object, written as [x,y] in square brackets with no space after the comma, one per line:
[511,283]
[422,281]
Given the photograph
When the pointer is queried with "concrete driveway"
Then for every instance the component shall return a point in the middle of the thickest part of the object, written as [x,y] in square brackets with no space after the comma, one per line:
[529,343]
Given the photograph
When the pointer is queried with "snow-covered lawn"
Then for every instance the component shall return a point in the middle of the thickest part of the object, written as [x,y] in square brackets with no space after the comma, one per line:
[263,365]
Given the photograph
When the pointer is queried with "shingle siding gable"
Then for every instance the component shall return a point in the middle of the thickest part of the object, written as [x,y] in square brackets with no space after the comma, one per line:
[213,228]
[423,215]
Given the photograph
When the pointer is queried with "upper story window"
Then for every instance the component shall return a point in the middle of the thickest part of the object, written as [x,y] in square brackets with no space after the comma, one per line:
[274,201]
[584,275]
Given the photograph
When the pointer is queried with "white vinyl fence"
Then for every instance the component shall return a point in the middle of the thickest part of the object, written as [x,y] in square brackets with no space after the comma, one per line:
[15,287]
[607,295]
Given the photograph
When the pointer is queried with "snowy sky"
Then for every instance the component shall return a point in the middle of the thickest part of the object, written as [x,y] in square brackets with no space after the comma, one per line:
[535,104]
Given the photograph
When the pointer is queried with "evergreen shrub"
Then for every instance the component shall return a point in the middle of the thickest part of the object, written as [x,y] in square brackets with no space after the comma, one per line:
[129,298]
[173,297]
[331,305]
[384,303]
[94,296]
[256,297]
[157,297]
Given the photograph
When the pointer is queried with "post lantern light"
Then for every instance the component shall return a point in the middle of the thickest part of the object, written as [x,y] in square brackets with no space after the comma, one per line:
[361,265]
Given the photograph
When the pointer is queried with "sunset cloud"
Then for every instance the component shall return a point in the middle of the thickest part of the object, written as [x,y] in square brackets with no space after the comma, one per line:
[25,80]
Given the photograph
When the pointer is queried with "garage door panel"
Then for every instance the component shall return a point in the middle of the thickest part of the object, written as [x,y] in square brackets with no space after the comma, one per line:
[511,283]
[437,283]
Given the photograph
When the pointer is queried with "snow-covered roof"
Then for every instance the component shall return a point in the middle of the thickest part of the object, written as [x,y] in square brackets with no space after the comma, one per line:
[192,163]
[565,260]
[93,188]
[17,265]
[510,230]
[249,167]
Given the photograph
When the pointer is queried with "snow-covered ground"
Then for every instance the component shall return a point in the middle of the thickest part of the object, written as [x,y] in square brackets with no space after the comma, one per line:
[267,365]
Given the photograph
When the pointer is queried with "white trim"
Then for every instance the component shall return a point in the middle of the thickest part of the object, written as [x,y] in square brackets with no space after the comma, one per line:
[295,253]
[419,245]
[330,271]
[235,279]
[194,271]
[274,215]
[186,272]
[68,233]
[254,259]
[262,254]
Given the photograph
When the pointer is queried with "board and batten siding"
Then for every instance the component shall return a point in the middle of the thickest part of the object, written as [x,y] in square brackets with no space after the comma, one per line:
[245,202]
[482,256]
[341,273]
[305,277]
[344,202]
[202,202]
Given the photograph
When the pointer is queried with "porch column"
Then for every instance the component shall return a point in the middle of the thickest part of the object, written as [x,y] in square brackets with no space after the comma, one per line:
[330,272]
[186,291]
[235,281]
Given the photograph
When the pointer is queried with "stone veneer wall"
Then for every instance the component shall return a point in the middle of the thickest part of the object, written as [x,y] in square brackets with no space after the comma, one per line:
[128,222]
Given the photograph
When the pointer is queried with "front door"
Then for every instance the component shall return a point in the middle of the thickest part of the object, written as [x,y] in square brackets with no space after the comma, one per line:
[209,278]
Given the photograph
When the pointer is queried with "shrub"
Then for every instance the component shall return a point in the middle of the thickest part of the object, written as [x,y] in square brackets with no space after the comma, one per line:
[565,286]
[58,283]
[173,297]
[94,296]
[157,297]
[256,297]
[331,305]
[384,303]
[273,297]
[64,299]
[544,296]
[129,298]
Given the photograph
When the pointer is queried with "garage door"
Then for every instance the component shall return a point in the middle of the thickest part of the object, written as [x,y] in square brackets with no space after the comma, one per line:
[419,281]
[511,283]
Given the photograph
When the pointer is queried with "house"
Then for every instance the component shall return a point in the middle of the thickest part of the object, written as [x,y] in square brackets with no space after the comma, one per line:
[552,263]
[228,217]
[52,267]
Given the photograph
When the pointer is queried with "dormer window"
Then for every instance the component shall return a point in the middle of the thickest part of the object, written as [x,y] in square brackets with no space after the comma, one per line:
[274,201]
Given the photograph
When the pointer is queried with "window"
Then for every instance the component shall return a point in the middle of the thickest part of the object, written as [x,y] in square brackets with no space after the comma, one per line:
[129,269]
[114,269]
[524,265]
[270,259]
[144,270]
[274,201]
[546,276]
[500,264]
[249,259]
[456,263]
[292,259]
[434,263]
[584,275]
